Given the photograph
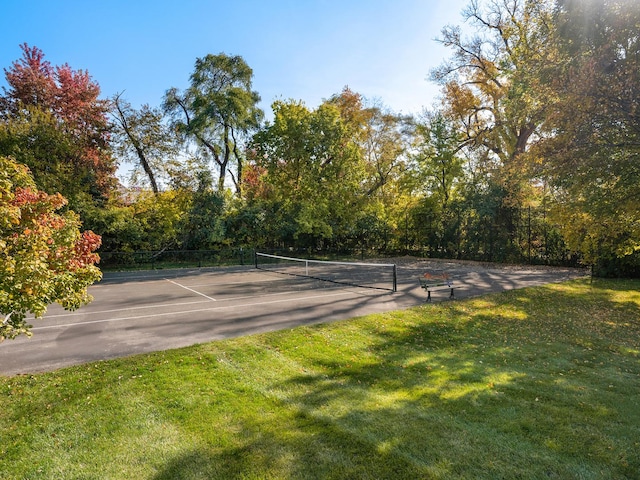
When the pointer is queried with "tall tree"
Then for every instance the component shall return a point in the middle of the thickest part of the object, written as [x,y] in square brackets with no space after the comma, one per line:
[436,171]
[312,168]
[218,111]
[495,83]
[142,136]
[384,146]
[57,102]
[383,140]
[593,157]
[31,82]
[497,86]
[438,163]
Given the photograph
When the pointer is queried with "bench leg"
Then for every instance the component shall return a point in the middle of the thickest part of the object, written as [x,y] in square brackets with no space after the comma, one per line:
[428,295]
[451,295]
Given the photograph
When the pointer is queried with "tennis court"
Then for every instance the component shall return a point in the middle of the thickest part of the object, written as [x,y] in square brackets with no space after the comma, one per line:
[140,312]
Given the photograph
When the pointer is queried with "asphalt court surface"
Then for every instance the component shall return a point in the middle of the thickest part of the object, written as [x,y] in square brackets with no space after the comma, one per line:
[139,312]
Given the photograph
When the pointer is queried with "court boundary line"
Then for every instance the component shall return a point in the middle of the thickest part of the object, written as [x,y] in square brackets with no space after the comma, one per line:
[107,282]
[114,310]
[222,307]
[254,281]
[160,305]
[191,290]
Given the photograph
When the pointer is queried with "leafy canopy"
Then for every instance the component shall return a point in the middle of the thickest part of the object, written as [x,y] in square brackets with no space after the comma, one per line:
[52,118]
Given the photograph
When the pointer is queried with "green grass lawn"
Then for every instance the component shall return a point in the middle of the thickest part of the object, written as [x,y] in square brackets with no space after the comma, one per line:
[535,383]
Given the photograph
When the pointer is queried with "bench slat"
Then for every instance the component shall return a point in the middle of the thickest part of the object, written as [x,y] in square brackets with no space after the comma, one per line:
[433,288]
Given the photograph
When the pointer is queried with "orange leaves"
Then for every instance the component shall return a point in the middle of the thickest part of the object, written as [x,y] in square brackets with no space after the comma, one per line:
[30,196]
[25,196]
[436,276]
[84,250]
[35,211]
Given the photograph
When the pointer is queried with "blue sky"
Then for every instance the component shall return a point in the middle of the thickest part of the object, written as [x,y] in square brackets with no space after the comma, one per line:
[304,50]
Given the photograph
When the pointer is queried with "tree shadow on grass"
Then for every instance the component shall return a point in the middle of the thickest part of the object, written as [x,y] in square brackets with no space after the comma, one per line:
[486,392]
[495,393]
[300,447]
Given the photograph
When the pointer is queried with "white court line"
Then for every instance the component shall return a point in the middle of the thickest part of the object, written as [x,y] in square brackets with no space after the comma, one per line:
[240,282]
[191,290]
[188,311]
[108,282]
[111,278]
[161,305]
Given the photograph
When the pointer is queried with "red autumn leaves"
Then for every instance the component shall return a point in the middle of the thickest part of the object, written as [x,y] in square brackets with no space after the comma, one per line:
[37,214]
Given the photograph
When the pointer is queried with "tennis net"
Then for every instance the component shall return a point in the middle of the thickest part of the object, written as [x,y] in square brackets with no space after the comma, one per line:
[369,275]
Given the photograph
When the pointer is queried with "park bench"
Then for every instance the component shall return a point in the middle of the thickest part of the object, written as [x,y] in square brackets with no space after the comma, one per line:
[436,281]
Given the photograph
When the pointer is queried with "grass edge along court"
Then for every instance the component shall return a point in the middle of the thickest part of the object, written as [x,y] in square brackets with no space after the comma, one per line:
[541,382]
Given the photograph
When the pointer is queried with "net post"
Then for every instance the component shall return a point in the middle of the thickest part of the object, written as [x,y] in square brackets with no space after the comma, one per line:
[395,278]
[255,258]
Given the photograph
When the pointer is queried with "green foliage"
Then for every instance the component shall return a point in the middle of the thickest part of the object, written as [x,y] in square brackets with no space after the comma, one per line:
[245,224]
[369,231]
[34,138]
[532,155]
[203,225]
[382,138]
[545,98]
[313,170]
[144,139]
[161,217]
[492,84]
[438,166]
[116,224]
[44,257]
[151,222]
[495,96]
[592,159]
[217,111]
